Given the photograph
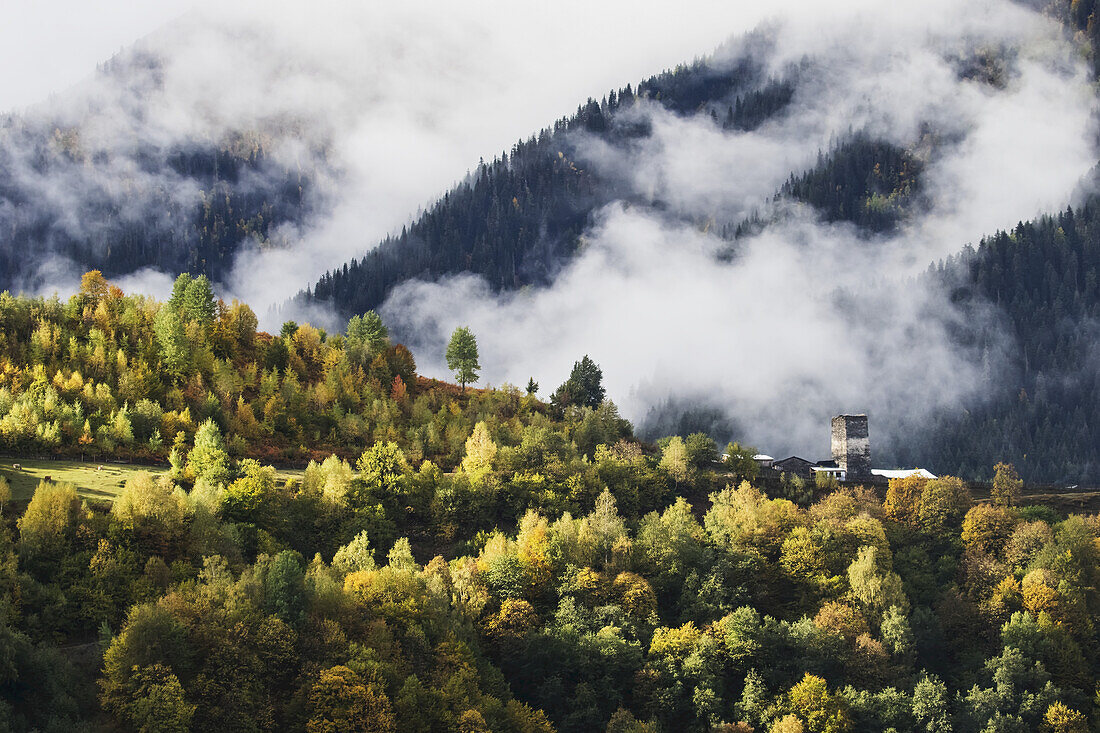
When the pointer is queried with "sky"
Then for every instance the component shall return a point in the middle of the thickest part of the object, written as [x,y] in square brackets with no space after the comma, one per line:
[46,46]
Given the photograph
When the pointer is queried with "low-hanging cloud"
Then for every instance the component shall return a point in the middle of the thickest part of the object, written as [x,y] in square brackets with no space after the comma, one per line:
[809,319]
[383,105]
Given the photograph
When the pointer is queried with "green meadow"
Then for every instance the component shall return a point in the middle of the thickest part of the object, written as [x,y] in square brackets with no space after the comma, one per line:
[97,481]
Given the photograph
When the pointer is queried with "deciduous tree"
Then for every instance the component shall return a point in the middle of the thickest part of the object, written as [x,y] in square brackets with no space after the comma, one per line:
[462,356]
[1006,485]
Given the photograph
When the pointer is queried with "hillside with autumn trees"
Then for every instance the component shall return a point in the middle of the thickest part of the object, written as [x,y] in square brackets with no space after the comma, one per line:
[463,559]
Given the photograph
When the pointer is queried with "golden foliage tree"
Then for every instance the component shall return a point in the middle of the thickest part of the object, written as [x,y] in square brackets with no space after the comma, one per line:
[340,702]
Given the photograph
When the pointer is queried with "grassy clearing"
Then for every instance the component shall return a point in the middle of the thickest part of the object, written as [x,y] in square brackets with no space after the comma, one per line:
[89,480]
[91,483]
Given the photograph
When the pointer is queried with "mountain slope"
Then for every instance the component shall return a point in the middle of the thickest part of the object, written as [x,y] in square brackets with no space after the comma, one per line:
[527,217]
[518,219]
[1045,412]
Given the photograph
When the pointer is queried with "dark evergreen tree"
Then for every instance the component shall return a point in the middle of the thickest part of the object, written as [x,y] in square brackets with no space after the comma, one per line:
[584,388]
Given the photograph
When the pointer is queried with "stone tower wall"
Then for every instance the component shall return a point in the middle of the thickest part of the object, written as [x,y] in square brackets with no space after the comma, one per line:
[852,445]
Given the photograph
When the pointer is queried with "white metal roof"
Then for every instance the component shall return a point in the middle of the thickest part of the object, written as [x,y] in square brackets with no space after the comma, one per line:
[903,472]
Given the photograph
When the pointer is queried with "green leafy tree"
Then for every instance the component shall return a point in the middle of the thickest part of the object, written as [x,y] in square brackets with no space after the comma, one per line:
[876,589]
[383,467]
[159,704]
[150,636]
[676,462]
[284,587]
[944,503]
[462,356]
[355,556]
[932,705]
[46,527]
[198,303]
[151,508]
[702,450]
[175,354]
[209,460]
[367,336]
[179,291]
[246,499]
[739,459]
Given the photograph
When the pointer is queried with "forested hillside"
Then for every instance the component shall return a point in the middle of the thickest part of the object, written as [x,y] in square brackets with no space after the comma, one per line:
[484,560]
[1044,276]
[239,196]
[105,374]
[517,220]
[867,182]
[210,526]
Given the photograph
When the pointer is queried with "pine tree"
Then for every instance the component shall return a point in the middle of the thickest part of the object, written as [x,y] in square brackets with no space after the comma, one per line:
[584,388]
[198,302]
[366,337]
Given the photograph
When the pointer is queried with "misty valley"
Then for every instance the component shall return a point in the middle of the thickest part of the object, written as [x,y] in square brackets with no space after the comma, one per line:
[758,393]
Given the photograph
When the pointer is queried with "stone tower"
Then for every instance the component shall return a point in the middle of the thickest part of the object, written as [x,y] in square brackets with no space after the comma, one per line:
[851,446]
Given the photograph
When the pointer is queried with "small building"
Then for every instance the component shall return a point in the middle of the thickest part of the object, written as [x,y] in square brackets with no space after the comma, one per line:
[835,471]
[763,461]
[851,461]
[795,466]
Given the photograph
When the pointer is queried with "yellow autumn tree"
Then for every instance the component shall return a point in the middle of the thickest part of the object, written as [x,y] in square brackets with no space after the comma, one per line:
[903,499]
[480,451]
[819,710]
[1060,718]
[342,703]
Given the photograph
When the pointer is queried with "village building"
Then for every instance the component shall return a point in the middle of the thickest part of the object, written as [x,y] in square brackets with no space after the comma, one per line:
[763,461]
[851,461]
[794,466]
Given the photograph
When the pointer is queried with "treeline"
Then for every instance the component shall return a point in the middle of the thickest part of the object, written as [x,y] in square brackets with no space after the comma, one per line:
[517,220]
[1042,411]
[107,374]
